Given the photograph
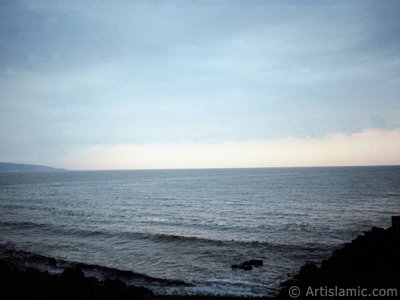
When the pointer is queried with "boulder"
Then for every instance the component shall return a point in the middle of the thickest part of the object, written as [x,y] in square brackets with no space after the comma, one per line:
[73,274]
[248,264]
[255,262]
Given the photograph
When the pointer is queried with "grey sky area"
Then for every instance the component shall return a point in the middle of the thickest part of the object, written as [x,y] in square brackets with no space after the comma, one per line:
[79,74]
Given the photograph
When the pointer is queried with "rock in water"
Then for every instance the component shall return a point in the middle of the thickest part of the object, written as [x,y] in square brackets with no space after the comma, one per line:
[248,264]
[255,262]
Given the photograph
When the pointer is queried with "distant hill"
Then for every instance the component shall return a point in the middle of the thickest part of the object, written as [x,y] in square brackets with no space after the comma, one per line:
[11,167]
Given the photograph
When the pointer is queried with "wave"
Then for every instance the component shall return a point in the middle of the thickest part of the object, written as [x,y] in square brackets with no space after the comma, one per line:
[159,237]
[23,259]
[23,225]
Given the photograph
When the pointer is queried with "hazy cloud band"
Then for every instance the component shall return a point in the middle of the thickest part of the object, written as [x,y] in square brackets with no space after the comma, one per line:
[367,147]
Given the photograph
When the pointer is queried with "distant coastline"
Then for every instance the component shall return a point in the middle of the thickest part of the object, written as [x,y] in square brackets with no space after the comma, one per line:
[15,167]
[7,167]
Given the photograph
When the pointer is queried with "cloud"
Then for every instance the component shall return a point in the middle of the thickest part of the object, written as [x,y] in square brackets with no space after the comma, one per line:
[179,76]
[367,147]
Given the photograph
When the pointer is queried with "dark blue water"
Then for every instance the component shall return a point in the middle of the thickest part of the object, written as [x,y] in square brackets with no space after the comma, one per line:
[191,225]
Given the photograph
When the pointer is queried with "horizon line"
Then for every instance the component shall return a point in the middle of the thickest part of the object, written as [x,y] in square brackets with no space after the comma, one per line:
[59,169]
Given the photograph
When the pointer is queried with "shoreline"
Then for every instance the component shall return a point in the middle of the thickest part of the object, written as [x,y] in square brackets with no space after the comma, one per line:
[18,282]
[370,261]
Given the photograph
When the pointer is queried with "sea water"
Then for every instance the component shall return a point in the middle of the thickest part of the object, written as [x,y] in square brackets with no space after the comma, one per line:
[190,226]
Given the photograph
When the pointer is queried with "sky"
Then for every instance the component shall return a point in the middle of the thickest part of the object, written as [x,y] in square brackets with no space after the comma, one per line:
[192,84]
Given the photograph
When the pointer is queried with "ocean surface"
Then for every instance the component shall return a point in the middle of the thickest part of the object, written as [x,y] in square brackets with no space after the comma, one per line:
[179,231]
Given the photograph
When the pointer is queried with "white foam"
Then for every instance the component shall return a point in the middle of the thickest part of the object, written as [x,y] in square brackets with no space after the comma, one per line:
[215,289]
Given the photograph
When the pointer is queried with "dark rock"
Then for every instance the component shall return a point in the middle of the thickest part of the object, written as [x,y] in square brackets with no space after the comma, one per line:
[308,271]
[74,274]
[242,266]
[114,284]
[255,262]
[247,267]
[138,290]
[72,284]
[7,271]
[370,261]
[248,264]
[236,267]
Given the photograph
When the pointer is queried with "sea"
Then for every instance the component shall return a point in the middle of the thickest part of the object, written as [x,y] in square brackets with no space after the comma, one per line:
[178,232]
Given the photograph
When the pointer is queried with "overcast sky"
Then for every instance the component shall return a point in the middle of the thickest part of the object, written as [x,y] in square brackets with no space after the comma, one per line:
[169,84]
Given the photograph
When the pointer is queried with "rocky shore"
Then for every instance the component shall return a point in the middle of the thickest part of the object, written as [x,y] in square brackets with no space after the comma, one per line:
[369,264]
[72,284]
[30,283]
[371,261]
